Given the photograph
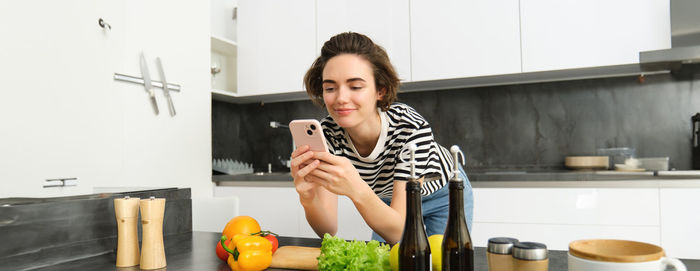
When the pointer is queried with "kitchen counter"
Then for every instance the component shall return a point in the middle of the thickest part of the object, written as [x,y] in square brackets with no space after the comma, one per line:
[195,251]
[488,179]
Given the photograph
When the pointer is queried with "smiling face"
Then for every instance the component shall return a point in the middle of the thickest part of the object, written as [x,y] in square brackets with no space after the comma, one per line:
[349,91]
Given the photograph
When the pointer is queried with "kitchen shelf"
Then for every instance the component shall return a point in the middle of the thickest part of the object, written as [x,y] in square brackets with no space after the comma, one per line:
[224,53]
[224,45]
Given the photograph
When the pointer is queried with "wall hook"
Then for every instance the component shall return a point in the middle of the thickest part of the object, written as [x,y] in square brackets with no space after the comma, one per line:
[104,24]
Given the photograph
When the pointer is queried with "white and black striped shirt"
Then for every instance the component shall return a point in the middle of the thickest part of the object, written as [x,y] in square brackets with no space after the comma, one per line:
[401,126]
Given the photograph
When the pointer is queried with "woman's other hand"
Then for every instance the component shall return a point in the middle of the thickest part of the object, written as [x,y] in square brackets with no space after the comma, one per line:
[301,164]
[338,175]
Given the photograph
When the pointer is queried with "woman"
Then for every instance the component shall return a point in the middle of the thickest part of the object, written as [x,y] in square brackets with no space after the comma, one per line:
[367,135]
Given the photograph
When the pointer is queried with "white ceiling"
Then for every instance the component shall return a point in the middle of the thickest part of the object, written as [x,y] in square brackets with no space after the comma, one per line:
[685,16]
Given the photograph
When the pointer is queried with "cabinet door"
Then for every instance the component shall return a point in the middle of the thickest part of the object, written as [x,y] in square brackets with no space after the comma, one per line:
[276,45]
[275,208]
[572,34]
[680,222]
[558,216]
[163,150]
[385,22]
[452,39]
[56,67]
[68,117]
[351,225]
[558,236]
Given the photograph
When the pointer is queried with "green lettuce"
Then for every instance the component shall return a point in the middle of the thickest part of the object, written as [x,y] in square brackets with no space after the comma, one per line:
[338,254]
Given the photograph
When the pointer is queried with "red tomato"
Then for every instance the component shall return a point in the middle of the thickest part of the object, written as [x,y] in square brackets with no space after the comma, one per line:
[220,252]
[273,240]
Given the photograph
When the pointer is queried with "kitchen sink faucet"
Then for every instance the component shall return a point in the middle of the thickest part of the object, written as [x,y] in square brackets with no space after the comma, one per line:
[275,125]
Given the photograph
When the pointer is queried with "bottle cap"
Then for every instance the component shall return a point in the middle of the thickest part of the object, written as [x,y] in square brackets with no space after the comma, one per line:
[530,251]
[412,148]
[456,152]
[501,245]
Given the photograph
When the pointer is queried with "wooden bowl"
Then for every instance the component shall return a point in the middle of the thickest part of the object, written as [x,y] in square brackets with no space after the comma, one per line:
[621,251]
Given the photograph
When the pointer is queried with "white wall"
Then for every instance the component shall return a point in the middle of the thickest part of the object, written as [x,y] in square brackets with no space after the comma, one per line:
[62,114]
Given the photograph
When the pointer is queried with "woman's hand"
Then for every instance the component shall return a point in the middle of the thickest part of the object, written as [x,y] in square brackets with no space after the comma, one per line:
[338,175]
[301,164]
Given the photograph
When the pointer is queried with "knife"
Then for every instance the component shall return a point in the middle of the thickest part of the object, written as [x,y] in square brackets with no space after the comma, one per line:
[166,92]
[431,177]
[147,83]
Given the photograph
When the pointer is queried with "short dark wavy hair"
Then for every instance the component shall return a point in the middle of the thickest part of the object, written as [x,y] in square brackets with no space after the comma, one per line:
[385,76]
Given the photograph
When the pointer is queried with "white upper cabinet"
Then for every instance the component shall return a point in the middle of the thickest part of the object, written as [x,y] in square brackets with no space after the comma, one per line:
[69,118]
[569,34]
[163,150]
[385,22]
[453,39]
[56,67]
[276,45]
[446,39]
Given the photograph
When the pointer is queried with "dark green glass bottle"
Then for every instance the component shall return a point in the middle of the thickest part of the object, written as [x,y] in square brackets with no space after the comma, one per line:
[457,248]
[414,251]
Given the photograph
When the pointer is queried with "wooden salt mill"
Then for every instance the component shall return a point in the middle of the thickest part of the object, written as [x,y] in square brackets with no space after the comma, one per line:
[152,250]
[127,211]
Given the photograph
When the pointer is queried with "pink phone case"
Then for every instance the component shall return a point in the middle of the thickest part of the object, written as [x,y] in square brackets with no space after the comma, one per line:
[308,132]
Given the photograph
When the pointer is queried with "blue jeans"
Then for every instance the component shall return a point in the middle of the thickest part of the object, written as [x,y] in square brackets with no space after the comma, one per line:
[436,206]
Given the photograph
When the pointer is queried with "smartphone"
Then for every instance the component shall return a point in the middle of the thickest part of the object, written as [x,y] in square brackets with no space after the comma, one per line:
[308,132]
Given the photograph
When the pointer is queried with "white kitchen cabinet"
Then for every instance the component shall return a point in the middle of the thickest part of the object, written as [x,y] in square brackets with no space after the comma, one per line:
[574,206]
[454,39]
[224,48]
[573,34]
[212,213]
[68,117]
[276,208]
[276,45]
[557,216]
[351,225]
[680,221]
[164,150]
[224,53]
[56,65]
[386,22]
[558,236]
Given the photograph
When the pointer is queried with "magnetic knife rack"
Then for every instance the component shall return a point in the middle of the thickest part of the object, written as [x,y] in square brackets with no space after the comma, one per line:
[139,81]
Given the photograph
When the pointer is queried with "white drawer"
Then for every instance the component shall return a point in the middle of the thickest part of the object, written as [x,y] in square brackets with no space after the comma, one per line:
[558,237]
[571,206]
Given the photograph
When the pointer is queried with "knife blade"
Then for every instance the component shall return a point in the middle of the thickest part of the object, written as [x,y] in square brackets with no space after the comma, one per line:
[166,92]
[147,82]
[431,177]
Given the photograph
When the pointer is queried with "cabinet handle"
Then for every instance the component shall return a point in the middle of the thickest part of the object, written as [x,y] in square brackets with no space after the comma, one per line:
[60,182]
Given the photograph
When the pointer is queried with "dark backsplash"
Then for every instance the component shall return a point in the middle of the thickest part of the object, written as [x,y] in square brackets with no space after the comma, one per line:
[515,126]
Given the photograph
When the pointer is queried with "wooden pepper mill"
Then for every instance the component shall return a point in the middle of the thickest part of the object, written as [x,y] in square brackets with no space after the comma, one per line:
[126,211]
[152,250]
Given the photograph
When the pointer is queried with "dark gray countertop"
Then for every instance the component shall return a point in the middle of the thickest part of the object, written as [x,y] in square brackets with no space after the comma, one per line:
[536,178]
[195,251]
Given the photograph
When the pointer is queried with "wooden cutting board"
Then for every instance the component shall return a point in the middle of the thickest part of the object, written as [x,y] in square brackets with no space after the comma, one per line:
[294,257]
[586,162]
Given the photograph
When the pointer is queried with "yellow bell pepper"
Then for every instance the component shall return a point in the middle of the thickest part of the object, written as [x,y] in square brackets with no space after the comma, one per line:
[249,253]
